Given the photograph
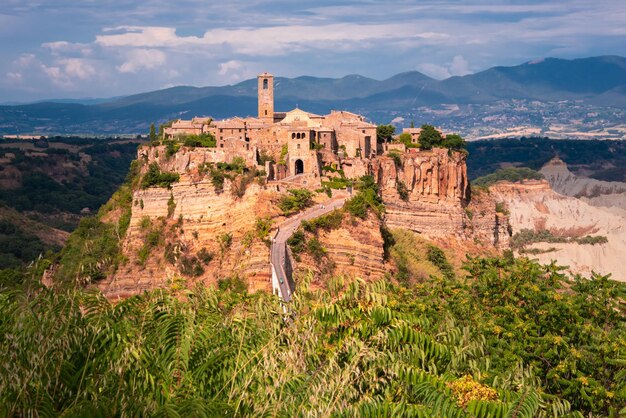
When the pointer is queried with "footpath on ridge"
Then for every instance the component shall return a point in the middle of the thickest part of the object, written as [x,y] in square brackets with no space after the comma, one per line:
[282,280]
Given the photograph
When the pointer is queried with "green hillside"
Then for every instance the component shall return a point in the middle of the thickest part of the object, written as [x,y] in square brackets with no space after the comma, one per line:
[512,339]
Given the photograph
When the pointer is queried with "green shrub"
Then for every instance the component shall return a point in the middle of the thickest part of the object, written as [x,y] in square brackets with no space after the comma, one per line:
[296,242]
[154,177]
[405,138]
[283,154]
[436,256]
[205,140]
[191,266]
[403,192]
[501,208]
[234,284]
[397,158]
[145,223]
[315,249]
[217,180]
[225,241]
[295,201]
[366,199]
[331,220]
[91,252]
[171,206]
[238,165]
[512,174]
[205,256]
[263,227]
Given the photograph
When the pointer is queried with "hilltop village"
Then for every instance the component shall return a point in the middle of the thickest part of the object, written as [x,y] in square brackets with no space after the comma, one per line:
[221,201]
[304,142]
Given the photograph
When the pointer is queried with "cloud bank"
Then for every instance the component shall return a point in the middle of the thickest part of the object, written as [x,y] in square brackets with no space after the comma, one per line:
[108,48]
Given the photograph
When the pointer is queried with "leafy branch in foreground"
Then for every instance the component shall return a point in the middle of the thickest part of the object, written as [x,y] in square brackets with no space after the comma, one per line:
[514,339]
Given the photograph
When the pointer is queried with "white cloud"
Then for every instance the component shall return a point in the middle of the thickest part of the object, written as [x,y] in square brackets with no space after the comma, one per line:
[142,59]
[271,41]
[458,66]
[78,68]
[228,66]
[433,70]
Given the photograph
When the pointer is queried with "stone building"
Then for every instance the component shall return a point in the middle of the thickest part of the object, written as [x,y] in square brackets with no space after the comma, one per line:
[313,141]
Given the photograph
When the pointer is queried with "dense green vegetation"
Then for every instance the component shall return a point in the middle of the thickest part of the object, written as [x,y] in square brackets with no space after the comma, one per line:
[605,160]
[512,339]
[206,140]
[92,250]
[60,182]
[155,177]
[511,174]
[366,199]
[18,246]
[295,200]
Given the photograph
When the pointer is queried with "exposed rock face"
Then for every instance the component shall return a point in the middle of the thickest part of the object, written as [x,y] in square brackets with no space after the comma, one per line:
[437,187]
[354,249]
[438,201]
[486,225]
[594,192]
[199,218]
[534,205]
[192,216]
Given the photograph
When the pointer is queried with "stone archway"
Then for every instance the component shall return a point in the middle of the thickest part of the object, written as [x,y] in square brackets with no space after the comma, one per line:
[299,167]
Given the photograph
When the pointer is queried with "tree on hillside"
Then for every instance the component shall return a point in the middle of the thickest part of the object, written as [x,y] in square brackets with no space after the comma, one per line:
[153,135]
[384,133]
[430,137]
[406,139]
[454,142]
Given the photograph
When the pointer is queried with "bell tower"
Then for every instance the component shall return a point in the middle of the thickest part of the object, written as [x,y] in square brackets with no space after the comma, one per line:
[266,97]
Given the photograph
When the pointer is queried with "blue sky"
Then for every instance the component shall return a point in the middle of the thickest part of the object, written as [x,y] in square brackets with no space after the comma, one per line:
[105,48]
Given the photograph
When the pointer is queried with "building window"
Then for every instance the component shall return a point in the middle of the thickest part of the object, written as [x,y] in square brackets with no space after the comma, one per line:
[266,113]
[293,135]
[298,146]
[265,84]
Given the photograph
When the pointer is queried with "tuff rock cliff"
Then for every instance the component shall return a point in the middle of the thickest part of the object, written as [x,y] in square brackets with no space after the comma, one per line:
[194,233]
[436,201]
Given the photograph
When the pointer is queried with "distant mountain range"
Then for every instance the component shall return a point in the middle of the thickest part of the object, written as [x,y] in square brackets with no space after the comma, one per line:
[593,82]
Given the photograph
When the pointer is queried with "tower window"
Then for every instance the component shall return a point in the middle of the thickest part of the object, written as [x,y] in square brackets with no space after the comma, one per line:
[266,110]
[265,84]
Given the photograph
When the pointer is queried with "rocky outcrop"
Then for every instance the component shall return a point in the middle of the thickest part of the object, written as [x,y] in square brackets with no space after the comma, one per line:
[353,249]
[488,223]
[595,192]
[534,205]
[192,217]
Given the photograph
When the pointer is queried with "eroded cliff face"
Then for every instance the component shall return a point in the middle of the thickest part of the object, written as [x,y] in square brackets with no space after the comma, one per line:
[354,249]
[198,224]
[534,205]
[437,198]
[608,194]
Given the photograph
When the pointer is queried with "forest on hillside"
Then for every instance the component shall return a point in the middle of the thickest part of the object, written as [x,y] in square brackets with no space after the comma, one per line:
[602,160]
